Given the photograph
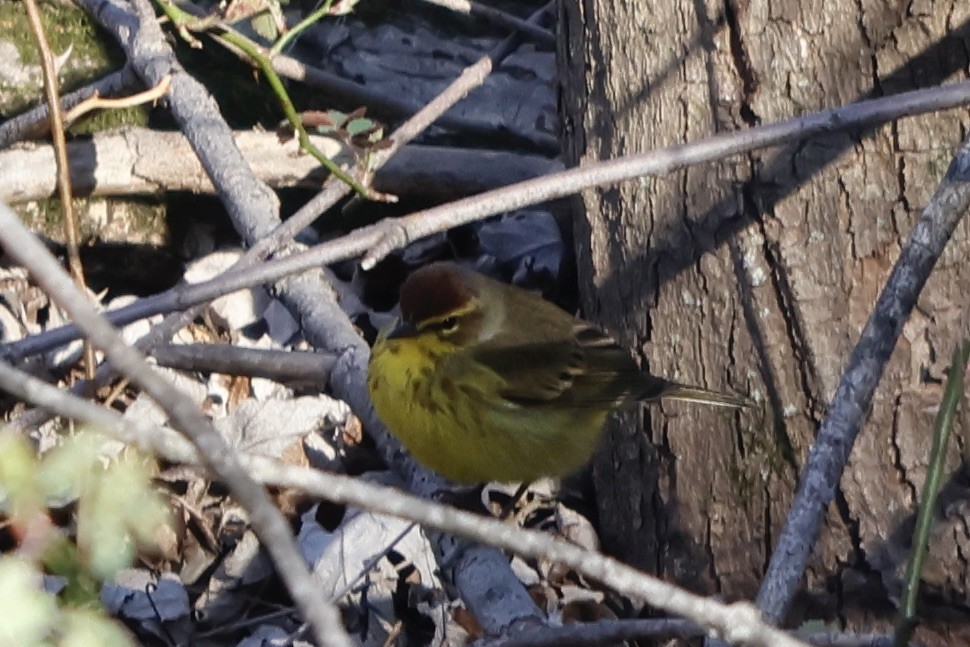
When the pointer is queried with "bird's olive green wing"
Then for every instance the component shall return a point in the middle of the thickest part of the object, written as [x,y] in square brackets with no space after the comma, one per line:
[535,372]
[584,369]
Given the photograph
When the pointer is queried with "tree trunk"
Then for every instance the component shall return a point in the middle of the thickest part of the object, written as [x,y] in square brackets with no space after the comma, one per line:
[756,274]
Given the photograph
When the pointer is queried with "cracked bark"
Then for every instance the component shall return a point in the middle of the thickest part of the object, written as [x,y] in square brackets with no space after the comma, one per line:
[757,274]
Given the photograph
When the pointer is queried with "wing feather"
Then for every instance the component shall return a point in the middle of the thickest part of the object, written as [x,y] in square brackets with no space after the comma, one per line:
[584,369]
[535,372]
[564,362]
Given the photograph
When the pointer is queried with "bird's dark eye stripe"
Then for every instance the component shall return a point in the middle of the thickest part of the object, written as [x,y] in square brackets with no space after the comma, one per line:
[448,323]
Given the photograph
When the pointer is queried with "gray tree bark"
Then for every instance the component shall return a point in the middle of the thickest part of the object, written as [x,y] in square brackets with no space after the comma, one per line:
[756,274]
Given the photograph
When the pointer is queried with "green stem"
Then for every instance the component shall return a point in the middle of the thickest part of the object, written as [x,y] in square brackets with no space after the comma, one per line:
[931,488]
[182,20]
[298,28]
[255,53]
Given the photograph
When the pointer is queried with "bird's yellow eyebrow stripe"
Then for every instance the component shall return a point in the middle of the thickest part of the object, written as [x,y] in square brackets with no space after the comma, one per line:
[457,312]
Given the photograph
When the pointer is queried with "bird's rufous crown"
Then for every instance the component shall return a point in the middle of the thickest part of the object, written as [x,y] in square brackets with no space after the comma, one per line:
[434,291]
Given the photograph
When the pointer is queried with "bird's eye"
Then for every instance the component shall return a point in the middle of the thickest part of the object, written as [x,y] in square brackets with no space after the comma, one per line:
[449,325]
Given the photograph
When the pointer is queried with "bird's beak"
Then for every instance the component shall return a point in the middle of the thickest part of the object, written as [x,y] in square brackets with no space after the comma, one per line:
[398,329]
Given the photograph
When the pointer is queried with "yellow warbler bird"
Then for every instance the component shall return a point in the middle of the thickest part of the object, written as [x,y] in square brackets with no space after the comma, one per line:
[484,381]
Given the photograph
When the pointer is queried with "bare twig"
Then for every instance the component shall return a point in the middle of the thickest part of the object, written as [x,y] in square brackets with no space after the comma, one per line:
[737,622]
[60,402]
[71,236]
[470,78]
[663,160]
[279,365]
[611,632]
[838,432]
[498,17]
[97,102]
[268,522]
[35,122]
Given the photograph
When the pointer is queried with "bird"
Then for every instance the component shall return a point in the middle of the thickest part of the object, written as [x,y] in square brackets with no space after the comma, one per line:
[484,381]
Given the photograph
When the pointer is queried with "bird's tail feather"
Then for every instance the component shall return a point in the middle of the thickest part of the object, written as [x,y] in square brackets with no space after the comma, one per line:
[674,391]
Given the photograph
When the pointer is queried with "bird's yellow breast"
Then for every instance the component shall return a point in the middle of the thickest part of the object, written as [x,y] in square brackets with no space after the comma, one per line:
[457,423]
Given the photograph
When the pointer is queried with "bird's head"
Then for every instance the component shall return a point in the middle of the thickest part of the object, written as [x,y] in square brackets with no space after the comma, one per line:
[442,309]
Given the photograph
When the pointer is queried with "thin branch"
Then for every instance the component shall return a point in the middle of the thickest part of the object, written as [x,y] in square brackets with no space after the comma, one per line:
[610,632]
[60,402]
[97,102]
[36,122]
[71,236]
[498,17]
[663,160]
[290,36]
[827,458]
[279,365]
[60,142]
[470,78]
[267,521]
[738,622]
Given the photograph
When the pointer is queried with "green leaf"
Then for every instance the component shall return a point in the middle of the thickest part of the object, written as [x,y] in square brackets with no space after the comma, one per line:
[265,26]
[85,628]
[28,611]
[18,476]
[360,126]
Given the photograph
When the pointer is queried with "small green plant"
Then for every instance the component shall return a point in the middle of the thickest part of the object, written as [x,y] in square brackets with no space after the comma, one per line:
[116,513]
[361,135]
[952,396]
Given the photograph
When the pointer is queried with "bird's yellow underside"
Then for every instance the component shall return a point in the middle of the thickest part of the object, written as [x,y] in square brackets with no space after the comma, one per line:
[438,411]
